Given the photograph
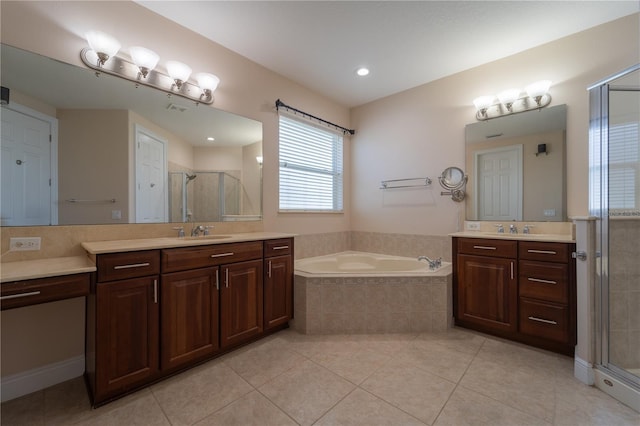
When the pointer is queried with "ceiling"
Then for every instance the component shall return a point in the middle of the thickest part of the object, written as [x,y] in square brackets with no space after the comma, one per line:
[320,44]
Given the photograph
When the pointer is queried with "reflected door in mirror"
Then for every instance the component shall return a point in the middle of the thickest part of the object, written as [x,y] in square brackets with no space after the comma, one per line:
[499,184]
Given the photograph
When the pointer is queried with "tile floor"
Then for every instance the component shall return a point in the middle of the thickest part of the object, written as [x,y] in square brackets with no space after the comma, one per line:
[453,378]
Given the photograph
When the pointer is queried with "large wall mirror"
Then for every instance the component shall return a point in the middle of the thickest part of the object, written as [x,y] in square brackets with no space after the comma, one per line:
[118,153]
[517,167]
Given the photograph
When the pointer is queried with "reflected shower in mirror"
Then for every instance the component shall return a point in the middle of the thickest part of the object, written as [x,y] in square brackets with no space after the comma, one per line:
[117,151]
[517,167]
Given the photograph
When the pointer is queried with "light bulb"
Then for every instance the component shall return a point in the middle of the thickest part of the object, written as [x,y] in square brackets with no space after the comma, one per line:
[207,82]
[179,72]
[103,44]
[145,59]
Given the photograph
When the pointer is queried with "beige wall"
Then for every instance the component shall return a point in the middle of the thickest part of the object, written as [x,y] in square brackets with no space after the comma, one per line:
[420,132]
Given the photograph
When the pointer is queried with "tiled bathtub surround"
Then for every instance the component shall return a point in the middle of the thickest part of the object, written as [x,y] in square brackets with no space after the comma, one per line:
[373,304]
[310,245]
[624,292]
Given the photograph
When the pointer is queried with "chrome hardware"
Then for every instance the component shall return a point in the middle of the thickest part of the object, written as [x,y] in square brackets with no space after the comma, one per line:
[16,296]
[197,230]
[500,228]
[222,254]
[527,229]
[155,291]
[281,248]
[206,229]
[485,248]
[513,229]
[580,255]
[433,264]
[133,265]
[226,278]
[541,251]
[539,280]
[217,279]
[269,269]
[511,270]
[180,230]
[543,320]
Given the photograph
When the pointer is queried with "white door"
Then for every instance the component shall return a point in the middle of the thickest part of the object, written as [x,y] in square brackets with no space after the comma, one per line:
[151,177]
[499,185]
[26,169]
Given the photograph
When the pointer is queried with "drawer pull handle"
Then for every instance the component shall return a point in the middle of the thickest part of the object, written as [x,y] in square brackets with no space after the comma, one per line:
[281,247]
[226,277]
[155,291]
[217,279]
[484,248]
[539,280]
[16,296]
[269,269]
[543,320]
[222,255]
[133,265]
[542,251]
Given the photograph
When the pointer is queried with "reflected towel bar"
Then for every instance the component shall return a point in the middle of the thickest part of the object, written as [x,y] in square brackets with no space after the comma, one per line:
[75,200]
[385,183]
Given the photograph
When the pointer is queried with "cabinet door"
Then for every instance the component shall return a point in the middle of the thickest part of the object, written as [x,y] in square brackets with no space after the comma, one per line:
[127,334]
[240,302]
[487,293]
[278,287]
[189,316]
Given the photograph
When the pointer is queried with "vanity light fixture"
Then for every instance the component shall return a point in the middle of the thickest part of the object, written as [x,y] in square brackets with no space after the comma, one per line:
[101,56]
[259,159]
[512,101]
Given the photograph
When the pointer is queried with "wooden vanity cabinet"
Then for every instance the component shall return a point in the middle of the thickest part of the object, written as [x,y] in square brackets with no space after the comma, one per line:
[487,294]
[122,323]
[189,316]
[521,290]
[17,294]
[278,282]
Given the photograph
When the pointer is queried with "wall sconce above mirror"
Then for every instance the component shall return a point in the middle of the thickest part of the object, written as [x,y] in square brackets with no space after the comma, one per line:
[513,101]
[101,56]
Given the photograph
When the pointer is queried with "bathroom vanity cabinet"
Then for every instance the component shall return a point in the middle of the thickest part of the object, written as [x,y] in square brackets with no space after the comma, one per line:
[20,293]
[517,289]
[153,313]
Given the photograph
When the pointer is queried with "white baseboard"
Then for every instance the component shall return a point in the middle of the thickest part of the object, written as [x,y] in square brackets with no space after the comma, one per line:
[39,378]
[583,371]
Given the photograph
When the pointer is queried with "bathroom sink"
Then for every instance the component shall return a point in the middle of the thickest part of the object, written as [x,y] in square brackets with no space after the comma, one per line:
[205,237]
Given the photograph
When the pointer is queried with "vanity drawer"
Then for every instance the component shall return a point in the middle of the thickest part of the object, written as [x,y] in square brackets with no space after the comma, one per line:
[488,247]
[280,247]
[544,251]
[119,266]
[32,292]
[544,281]
[180,259]
[545,320]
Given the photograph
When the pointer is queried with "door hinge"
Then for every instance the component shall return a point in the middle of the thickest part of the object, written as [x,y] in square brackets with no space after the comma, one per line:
[50,139]
[49,182]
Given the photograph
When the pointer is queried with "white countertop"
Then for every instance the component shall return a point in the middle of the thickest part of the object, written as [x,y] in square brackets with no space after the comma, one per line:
[558,238]
[42,268]
[101,247]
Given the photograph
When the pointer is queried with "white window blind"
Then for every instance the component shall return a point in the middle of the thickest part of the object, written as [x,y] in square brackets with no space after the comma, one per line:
[624,166]
[311,177]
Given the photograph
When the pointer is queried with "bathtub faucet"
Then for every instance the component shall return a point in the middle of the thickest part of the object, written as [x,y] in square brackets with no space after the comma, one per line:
[433,264]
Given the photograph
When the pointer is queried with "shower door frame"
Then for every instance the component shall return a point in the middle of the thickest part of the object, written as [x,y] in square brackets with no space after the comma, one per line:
[599,208]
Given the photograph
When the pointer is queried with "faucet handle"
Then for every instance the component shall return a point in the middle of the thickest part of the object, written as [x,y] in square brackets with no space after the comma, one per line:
[206,229]
[527,229]
[513,229]
[180,230]
[500,228]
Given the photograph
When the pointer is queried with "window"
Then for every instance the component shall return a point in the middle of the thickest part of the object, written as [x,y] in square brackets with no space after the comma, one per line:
[624,166]
[310,167]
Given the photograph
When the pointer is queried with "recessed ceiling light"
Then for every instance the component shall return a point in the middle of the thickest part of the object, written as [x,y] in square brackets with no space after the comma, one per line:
[211,139]
[362,71]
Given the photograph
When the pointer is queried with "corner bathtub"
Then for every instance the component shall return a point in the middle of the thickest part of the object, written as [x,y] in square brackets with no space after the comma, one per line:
[357,292]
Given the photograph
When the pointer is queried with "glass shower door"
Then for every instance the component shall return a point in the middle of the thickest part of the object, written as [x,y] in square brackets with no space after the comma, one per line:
[615,201]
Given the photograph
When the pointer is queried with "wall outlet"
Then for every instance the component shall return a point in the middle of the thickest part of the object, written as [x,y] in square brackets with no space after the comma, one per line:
[549,212]
[116,214]
[472,226]
[24,244]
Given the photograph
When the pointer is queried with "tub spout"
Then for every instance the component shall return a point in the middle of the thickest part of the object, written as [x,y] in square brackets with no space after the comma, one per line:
[433,264]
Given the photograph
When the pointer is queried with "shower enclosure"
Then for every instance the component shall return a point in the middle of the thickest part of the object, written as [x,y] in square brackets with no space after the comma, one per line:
[614,198]
[203,196]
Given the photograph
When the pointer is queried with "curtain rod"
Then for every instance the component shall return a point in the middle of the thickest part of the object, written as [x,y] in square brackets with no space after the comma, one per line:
[280,104]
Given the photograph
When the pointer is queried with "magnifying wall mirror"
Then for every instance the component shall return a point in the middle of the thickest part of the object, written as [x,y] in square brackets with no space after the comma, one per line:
[453,180]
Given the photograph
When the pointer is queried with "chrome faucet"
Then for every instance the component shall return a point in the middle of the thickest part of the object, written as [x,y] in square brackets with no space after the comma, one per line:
[197,230]
[513,229]
[433,264]
[500,229]
[527,229]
